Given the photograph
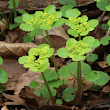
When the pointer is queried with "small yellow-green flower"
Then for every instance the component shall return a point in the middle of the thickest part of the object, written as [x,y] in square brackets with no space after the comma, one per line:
[78,49]
[79,26]
[37,60]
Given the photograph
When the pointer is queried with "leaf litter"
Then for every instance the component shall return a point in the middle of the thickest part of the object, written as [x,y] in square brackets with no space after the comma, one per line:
[20,78]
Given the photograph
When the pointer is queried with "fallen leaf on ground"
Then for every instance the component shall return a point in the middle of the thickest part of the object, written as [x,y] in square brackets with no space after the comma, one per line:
[15,98]
[14,69]
[15,49]
[15,36]
[4,108]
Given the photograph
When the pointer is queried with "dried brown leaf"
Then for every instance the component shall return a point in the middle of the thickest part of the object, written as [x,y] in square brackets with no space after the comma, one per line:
[4,108]
[15,98]
[14,69]
[15,36]
[15,49]
[25,79]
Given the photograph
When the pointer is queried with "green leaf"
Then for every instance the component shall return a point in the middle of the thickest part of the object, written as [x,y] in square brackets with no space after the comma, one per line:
[37,92]
[62,52]
[63,81]
[67,94]
[71,41]
[3,76]
[26,27]
[77,57]
[21,11]
[103,79]
[27,18]
[90,40]
[108,59]
[45,92]
[84,18]
[64,71]
[22,59]
[105,40]
[73,13]
[28,38]
[96,87]
[45,27]
[105,26]
[43,45]
[50,9]
[54,83]
[37,14]
[18,19]
[59,22]
[108,22]
[12,26]
[34,69]
[1,60]
[72,32]
[85,68]
[64,8]
[11,4]
[93,22]
[59,102]
[36,31]
[34,84]
[44,67]
[57,14]
[92,76]
[69,2]
[96,43]
[102,4]
[49,75]
[108,8]
[93,57]
[2,88]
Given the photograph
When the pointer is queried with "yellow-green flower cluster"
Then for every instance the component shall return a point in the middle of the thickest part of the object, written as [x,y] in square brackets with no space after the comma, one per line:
[37,59]
[80,25]
[44,20]
[77,49]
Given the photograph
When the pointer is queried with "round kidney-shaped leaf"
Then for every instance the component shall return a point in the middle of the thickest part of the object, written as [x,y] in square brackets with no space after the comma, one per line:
[34,84]
[92,76]
[103,79]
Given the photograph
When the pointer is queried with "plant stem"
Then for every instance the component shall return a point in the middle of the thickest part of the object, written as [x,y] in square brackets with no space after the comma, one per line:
[79,80]
[53,56]
[14,9]
[27,6]
[45,81]
[5,17]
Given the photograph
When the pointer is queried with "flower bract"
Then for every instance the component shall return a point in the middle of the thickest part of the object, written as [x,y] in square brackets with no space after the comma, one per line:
[77,49]
[37,59]
[79,25]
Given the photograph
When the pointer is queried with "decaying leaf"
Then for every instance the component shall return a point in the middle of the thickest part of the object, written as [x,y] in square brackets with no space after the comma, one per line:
[4,108]
[14,69]
[15,98]
[15,49]
[15,36]
[25,79]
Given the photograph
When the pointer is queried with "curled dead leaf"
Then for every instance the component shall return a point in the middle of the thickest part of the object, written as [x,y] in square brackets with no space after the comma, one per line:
[15,49]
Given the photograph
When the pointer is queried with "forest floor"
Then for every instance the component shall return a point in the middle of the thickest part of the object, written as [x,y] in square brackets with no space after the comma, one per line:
[17,95]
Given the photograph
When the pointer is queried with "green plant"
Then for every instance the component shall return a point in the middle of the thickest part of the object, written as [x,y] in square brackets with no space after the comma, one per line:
[3,76]
[103,4]
[38,58]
